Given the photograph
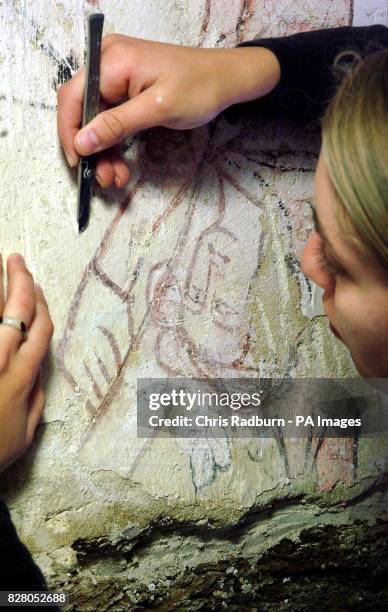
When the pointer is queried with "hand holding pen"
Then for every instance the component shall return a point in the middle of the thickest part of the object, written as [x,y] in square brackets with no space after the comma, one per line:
[145,84]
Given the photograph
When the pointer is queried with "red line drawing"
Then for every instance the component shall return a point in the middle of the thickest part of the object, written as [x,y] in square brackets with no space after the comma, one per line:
[178,258]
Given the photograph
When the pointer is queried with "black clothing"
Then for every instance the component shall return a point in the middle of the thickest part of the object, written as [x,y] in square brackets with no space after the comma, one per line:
[18,572]
[307,80]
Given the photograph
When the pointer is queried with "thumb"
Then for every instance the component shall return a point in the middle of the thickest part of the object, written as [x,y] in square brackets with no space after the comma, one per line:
[112,126]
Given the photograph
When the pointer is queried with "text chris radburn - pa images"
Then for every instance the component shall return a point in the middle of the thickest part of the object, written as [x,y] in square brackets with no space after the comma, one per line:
[183,400]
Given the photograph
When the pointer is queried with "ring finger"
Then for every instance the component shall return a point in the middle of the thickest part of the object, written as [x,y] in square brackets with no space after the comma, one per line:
[20,303]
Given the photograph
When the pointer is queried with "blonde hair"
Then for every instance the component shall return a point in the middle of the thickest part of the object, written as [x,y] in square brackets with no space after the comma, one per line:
[355,148]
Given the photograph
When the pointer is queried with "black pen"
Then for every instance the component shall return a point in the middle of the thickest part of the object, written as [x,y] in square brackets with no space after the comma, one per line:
[91,108]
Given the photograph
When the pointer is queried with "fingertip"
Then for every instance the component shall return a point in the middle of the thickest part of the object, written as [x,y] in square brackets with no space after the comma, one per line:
[72,158]
[16,259]
[125,174]
[104,171]
[98,179]
[122,173]
[104,182]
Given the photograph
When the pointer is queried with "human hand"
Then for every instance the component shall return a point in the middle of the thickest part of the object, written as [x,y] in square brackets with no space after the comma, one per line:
[21,392]
[145,83]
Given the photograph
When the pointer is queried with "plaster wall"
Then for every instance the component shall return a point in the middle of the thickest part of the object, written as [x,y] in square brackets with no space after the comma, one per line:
[192,272]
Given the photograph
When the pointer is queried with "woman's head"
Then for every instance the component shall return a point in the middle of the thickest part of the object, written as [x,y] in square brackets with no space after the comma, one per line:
[348,254]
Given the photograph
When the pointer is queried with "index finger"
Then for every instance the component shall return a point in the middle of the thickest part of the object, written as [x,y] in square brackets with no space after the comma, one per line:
[69,114]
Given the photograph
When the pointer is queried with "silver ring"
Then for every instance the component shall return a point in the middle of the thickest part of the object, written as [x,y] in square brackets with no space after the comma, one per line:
[15,323]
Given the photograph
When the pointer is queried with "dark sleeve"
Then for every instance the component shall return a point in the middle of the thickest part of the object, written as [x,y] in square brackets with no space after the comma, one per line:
[307,80]
[18,571]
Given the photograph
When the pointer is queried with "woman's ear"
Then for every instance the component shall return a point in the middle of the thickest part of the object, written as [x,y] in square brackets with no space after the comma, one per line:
[312,263]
